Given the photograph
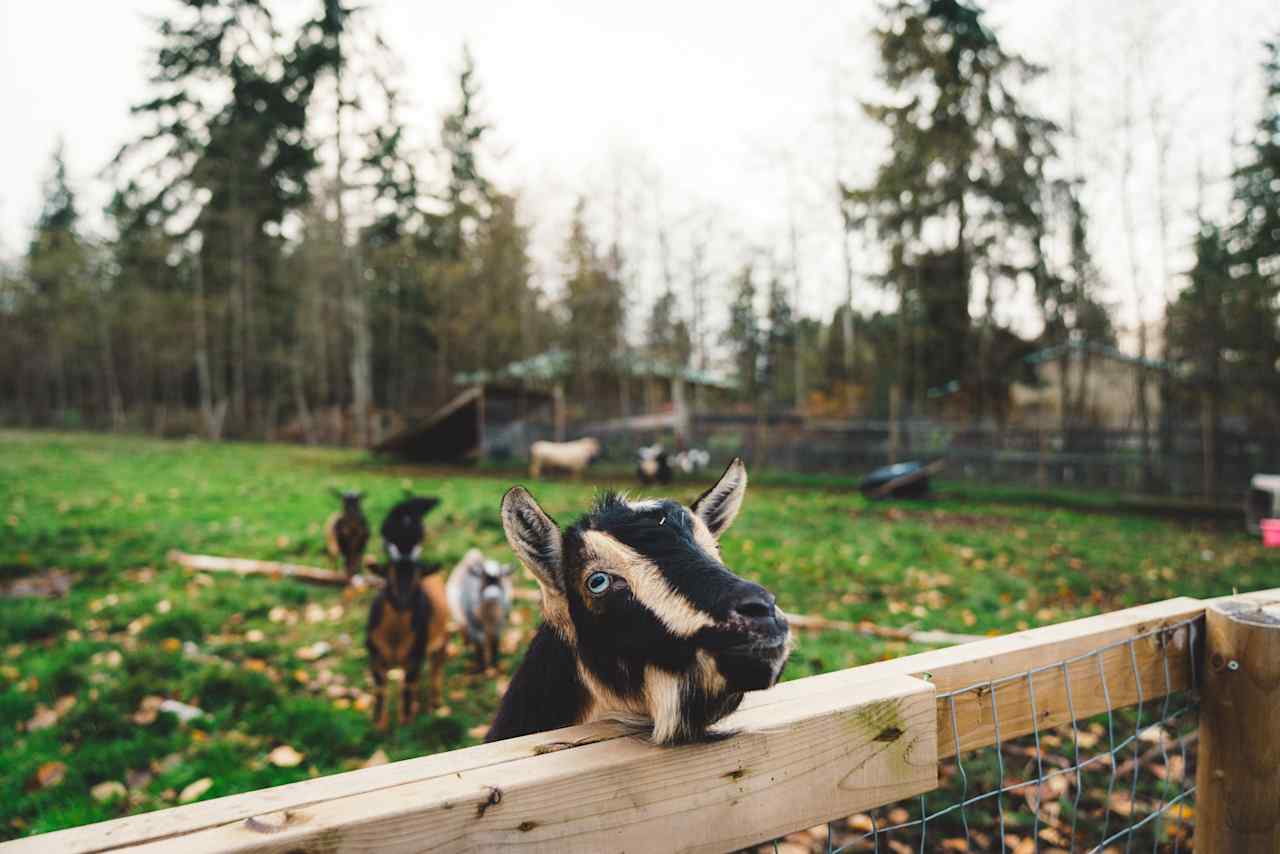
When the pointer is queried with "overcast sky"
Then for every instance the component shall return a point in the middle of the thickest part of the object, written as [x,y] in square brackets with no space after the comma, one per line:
[731,119]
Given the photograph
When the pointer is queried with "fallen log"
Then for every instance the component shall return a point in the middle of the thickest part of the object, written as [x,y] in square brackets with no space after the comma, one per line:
[249,566]
[276,569]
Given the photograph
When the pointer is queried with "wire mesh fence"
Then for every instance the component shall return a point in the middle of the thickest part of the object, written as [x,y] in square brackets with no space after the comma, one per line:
[1120,781]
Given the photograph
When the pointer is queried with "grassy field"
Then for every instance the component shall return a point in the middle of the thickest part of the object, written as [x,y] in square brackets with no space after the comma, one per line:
[80,676]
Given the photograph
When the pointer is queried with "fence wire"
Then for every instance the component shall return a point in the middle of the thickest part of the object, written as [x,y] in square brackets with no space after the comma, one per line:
[1119,781]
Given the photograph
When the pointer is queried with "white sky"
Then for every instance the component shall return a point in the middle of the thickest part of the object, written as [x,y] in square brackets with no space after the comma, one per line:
[718,114]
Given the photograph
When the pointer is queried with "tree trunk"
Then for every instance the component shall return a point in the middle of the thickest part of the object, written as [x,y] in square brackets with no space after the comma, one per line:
[357,307]
[204,379]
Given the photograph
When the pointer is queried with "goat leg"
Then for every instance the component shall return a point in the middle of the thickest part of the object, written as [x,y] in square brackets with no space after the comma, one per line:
[409,699]
[438,655]
[381,713]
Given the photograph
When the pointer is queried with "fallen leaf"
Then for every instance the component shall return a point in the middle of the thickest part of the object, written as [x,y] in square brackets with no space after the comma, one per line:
[443,712]
[478,731]
[195,790]
[285,756]
[137,779]
[44,718]
[254,636]
[164,606]
[50,774]
[301,676]
[108,791]
[317,650]
[182,711]
[167,764]
[147,710]
[1120,803]
[171,644]
[257,665]
[379,757]
[363,703]
[898,815]
[956,845]
[861,823]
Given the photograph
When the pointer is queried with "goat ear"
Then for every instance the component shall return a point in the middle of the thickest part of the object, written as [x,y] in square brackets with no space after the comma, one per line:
[719,505]
[535,538]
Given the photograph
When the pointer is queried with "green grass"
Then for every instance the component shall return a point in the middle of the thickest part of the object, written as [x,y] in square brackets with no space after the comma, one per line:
[109,509]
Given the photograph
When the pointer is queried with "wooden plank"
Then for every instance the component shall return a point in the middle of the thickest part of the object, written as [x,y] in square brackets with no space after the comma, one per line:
[949,670]
[792,764]
[999,658]
[139,829]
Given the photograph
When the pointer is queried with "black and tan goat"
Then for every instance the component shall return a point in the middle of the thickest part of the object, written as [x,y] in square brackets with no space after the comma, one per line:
[409,618]
[653,465]
[643,622]
[346,533]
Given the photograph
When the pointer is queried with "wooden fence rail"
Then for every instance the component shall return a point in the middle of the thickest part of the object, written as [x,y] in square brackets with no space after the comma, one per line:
[805,752]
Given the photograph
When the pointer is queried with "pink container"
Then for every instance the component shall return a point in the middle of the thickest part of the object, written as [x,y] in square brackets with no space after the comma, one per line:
[1271,533]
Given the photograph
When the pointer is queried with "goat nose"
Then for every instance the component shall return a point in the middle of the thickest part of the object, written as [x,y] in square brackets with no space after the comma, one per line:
[755,606]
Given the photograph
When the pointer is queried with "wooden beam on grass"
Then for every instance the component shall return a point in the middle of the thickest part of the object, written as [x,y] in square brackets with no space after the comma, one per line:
[275,569]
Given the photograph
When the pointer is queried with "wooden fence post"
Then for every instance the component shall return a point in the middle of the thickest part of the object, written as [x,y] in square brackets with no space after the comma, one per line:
[1238,772]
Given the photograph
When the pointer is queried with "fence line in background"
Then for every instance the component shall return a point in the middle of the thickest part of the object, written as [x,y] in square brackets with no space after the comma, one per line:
[1019,455]
[807,751]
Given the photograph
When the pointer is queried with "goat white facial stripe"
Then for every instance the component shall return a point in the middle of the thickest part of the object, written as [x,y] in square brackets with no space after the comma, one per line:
[648,585]
[662,694]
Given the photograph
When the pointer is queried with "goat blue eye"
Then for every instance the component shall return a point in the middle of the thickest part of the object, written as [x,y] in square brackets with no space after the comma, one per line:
[597,583]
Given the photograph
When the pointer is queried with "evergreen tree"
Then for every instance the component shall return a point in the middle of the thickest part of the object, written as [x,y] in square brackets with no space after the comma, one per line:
[57,268]
[743,335]
[467,194]
[668,337]
[593,304]
[960,197]
[226,158]
[780,346]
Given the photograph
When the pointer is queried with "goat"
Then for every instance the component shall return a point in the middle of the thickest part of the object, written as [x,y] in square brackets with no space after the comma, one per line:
[642,621]
[653,466]
[408,620]
[479,592]
[571,456]
[346,533]
[692,461]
